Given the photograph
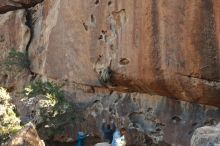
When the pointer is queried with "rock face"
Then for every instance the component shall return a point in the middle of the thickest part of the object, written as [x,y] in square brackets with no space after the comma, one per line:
[26,137]
[14,34]
[168,49]
[149,119]
[9,5]
[165,47]
[206,136]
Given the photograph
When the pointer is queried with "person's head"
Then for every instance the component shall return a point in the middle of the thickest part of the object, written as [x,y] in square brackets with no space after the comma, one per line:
[123,131]
[108,126]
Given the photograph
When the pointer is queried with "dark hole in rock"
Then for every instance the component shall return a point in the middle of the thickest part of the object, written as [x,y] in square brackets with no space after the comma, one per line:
[11,88]
[97,2]
[2,39]
[134,99]
[190,132]
[93,89]
[135,125]
[5,77]
[112,47]
[210,122]
[124,61]
[33,76]
[149,109]
[132,116]
[111,91]
[104,31]
[100,37]
[194,124]
[158,129]
[117,100]
[92,18]
[153,132]
[85,26]
[109,3]
[110,109]
[96,101]
[160,124]
[176,119]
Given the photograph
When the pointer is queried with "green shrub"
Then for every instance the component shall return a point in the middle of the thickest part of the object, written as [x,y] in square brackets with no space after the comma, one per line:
[53,112]
[16,59]
[9,122]
[44,88]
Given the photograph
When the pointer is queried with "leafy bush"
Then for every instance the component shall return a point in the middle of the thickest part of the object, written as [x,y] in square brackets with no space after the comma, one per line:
[9,122]
[17,59]
[44,88]
[51,110]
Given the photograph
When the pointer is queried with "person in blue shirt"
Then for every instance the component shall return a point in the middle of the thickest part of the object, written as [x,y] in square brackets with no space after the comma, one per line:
[119,138]
[108,130]
[81,137]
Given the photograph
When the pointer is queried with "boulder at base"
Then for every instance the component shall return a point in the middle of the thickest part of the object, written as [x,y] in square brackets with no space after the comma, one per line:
[206,136]
[27,136]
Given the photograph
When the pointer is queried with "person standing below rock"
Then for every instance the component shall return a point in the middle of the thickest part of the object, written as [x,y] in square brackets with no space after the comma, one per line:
[119,138]
[123,133]
[108,130]
[81,138]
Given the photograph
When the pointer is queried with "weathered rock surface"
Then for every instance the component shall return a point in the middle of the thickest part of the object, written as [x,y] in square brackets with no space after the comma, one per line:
[149,119]
[206,136]
[27,136]
[9,5]
[14,34]
[165,47]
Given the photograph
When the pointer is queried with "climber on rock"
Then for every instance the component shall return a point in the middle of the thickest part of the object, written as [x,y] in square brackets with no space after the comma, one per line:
[108,130]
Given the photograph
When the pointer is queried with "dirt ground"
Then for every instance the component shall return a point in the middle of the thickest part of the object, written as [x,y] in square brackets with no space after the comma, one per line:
[90,141]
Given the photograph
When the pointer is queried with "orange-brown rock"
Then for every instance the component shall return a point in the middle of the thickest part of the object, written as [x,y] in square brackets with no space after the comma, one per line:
[14,34]
[164,47]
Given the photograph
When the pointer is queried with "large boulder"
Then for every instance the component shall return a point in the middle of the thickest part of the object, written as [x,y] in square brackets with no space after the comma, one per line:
[206,136]
[165,47]
[27,136]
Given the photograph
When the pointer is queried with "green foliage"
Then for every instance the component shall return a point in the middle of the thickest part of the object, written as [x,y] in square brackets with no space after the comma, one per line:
[17,59]
[44,88]
[9,122]
[53,112]
[55,125]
